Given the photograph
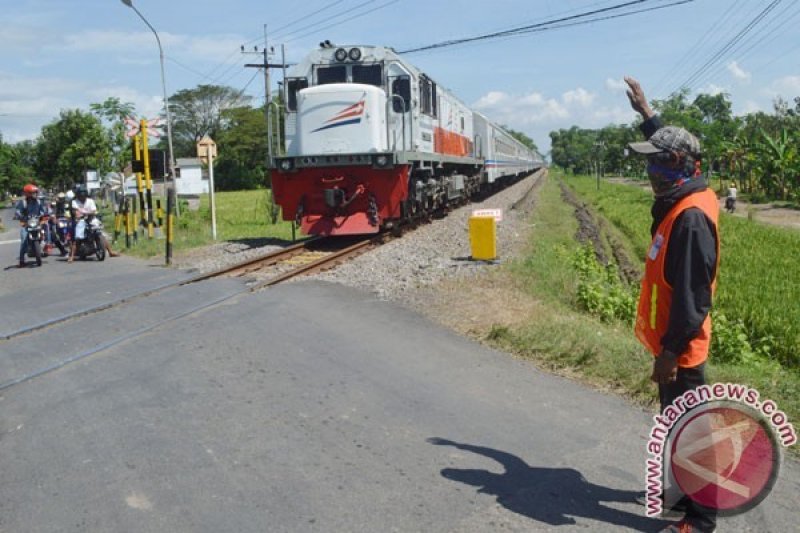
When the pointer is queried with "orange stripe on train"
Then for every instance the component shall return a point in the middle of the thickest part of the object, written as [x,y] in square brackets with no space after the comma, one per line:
[450,143]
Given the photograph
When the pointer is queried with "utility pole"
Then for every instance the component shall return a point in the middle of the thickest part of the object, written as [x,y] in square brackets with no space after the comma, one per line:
[266,65]
[599,146]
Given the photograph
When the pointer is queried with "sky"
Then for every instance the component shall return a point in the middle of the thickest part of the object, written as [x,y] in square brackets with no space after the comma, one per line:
[63,54]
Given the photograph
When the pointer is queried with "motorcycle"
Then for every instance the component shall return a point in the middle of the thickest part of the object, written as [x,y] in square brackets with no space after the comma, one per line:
[63,232]
[88,238]
[33,240]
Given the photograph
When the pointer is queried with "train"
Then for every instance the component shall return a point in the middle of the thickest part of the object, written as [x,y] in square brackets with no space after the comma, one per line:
[369,140]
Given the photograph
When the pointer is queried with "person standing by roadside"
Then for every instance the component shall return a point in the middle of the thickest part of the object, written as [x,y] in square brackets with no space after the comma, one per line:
[730,200]
[673,320]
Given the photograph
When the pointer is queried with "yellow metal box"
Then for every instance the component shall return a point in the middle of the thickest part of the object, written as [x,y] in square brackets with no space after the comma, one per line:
[483,238]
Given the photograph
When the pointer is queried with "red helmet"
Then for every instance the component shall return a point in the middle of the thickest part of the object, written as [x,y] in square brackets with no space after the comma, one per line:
[30,189]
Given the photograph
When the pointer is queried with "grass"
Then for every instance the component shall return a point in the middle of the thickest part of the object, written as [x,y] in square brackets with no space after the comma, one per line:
[759,277]
[241,215]
[605,354]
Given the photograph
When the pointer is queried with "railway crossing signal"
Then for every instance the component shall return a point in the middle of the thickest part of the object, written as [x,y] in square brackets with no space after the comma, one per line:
[133,127]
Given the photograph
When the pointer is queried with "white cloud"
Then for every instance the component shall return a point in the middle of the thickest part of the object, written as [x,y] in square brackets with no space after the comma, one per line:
[147,106]
[141,45]
[604,116]
[616,85]
[492,98]
[712,89]
[519,111]
[14,86]
[115,41]
[579,96]
[788,86]
[738,72]
[28,103]
[750,106]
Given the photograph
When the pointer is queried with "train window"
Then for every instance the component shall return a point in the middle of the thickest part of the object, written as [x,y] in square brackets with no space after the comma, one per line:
[327,75]
[425,96]
[402,88]
[293,86]
[369,74]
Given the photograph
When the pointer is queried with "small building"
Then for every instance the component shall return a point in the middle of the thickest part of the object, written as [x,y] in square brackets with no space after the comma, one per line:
[191,179]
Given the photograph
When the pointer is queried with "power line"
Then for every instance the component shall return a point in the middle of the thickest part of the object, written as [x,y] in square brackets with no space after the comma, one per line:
[308,16]
[318,23]
[563,22]
[239,94]
[548,24]
[692,50]
[717,56]
[770,32]
[348,19]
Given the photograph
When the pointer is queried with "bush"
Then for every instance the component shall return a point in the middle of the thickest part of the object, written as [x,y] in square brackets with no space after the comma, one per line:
[600,290]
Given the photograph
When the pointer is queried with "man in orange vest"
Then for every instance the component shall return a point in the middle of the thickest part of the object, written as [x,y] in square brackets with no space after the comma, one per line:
[673,320]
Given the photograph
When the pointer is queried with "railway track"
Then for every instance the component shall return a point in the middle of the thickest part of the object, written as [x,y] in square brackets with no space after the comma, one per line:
[308,257]
[300,259]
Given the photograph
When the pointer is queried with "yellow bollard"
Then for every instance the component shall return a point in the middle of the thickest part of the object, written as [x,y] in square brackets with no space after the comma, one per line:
[483,238]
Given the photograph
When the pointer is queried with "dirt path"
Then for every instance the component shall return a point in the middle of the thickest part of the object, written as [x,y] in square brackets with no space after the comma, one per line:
[766,213]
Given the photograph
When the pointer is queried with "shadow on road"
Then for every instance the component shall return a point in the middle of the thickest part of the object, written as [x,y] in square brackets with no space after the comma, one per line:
[554,496]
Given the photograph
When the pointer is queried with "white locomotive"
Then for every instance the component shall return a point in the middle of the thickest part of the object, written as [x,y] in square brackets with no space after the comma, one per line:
[370,140]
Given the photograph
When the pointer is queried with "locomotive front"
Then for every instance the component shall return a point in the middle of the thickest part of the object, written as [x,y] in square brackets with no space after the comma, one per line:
[344,131]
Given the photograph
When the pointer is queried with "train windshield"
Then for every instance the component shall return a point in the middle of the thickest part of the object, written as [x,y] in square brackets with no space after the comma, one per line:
[369,74]
[327,75]
[294,85]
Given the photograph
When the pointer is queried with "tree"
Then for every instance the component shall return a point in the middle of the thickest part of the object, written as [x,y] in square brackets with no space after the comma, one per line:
[114,113]
[242,144]
[521,137]
[69,146]
[15,169]
[779,154]
[198,112]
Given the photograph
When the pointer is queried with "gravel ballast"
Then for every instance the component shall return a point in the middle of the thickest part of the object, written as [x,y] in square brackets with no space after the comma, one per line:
[438,250]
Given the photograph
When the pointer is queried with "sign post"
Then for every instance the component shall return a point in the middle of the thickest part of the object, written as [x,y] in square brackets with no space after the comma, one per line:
[207,151]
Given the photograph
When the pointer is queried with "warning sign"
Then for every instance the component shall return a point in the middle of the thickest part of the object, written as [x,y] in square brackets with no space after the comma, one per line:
[496,214]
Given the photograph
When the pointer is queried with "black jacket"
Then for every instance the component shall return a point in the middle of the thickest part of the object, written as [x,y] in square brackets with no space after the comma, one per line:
[690,265]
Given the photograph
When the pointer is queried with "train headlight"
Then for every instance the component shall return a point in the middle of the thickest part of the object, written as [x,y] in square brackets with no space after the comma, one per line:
[286,165]
[354,54]
[382,161]
[340,54]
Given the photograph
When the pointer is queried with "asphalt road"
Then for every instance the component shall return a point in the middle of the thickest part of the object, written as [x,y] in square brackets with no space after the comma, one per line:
[307,407]
[35,295]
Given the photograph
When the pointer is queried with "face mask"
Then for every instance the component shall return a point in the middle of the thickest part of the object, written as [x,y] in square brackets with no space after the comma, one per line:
[663,179]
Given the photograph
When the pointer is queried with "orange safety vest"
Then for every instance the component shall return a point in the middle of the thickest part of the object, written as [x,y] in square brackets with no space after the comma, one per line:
[655,300]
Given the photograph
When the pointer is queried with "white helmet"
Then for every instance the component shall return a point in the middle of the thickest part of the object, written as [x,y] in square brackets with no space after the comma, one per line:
[70,195]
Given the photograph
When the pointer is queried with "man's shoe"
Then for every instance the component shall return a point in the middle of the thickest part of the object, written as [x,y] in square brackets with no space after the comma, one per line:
[684,526]
[21,264]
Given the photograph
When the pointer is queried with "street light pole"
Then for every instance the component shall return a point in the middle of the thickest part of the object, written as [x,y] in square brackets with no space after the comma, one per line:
[129,3]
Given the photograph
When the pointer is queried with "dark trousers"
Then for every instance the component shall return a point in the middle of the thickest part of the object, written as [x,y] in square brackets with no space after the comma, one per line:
[689,379]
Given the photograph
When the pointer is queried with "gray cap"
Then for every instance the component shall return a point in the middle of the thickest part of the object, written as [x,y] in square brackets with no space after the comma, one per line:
[669,138]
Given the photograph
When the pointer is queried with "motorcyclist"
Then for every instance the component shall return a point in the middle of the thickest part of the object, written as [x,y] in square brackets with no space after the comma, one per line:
[83,208]
[60,208]
[29,206]
[63,208]
[730,200]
